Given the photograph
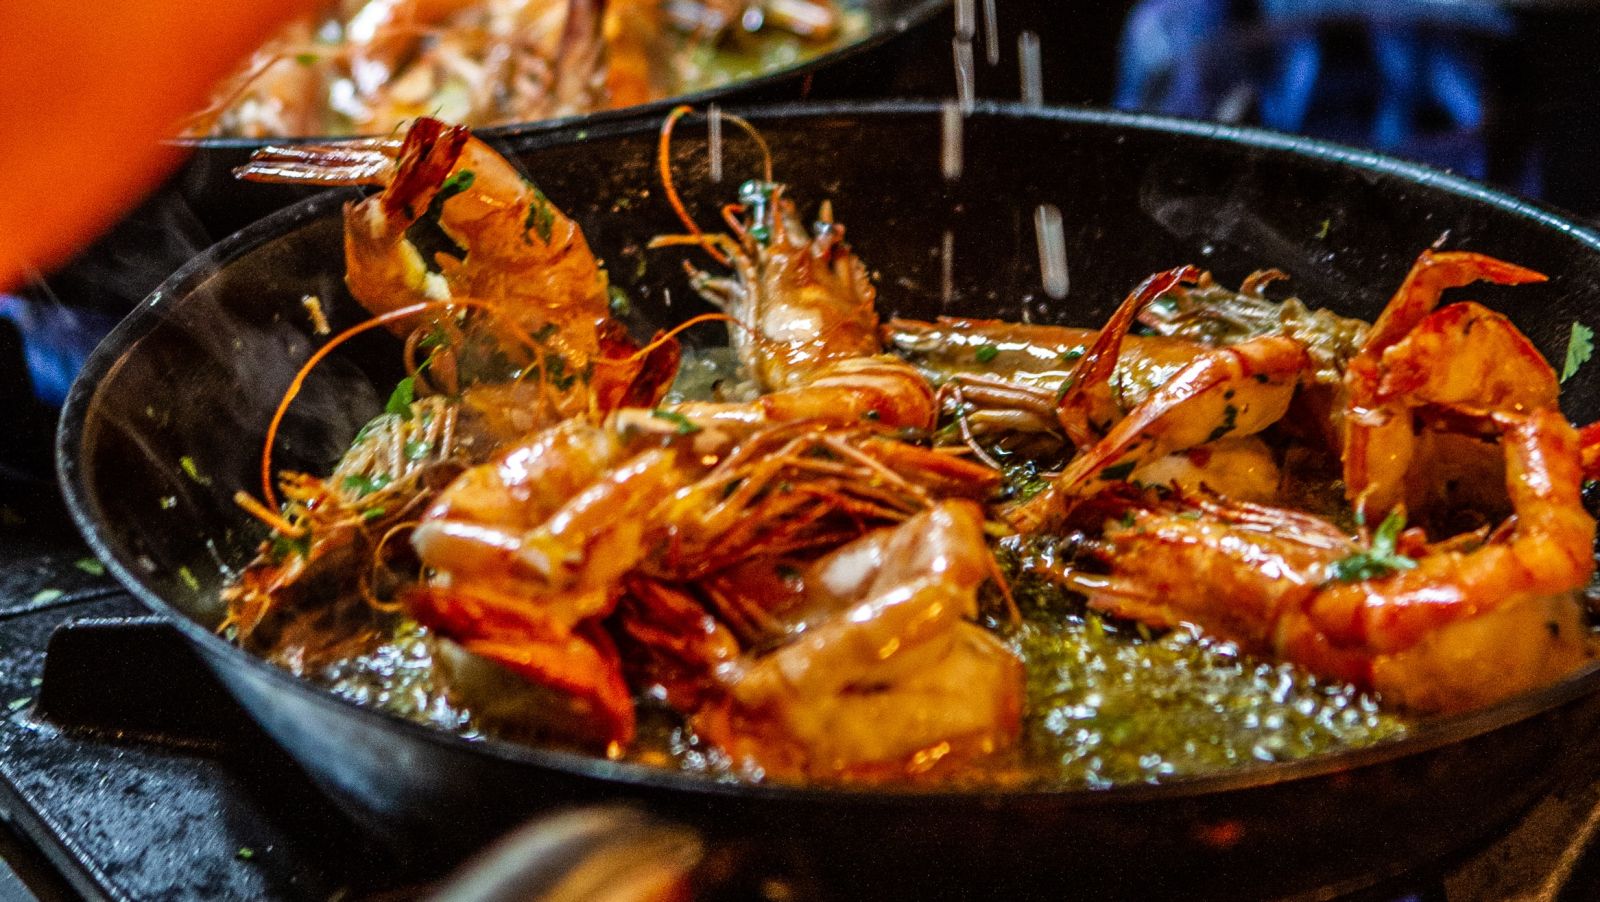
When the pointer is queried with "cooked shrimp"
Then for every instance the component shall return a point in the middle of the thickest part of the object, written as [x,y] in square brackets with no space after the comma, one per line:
[799,301]
[523,261]
[1228,392]
[1463,355]
[547,537]
[1011,374]
[527,552]
[804,322]
[1447,627]
[519,250]
[884,675]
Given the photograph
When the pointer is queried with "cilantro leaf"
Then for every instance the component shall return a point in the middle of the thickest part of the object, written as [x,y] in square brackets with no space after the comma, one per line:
[685,426]
[1379,560]
[405,391]
[987,353]
[365,485]
[90,566]
[1580,347]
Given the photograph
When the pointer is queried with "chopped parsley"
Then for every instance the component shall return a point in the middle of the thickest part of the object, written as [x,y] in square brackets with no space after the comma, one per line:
[416,450]
[189,579]
[373,513]
[457,182]
[618,301]
[1580,347]
[245,853]
[283,547]
[541,217]
[366,485]
[187,464]
[986,353]
[17,704]
[405,392]
[1230,417]
[45,596]
[90,566]
[685,426]
[555,366]
[1379,560]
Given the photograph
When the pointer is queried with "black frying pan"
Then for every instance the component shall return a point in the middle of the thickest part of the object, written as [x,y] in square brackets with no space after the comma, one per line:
[197,369]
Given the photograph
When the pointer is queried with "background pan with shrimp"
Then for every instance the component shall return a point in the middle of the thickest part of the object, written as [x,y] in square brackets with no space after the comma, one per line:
[166,423]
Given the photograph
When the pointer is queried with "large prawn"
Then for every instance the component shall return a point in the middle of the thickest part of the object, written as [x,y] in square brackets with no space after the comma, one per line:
[531,552]
[1436,627]
[882,672]
[805,324]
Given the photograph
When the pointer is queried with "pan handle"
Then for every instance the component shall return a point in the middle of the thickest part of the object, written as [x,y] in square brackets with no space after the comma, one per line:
[617,853]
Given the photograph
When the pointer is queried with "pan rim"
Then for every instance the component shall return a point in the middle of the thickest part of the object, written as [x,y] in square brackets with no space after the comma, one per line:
[1429,735]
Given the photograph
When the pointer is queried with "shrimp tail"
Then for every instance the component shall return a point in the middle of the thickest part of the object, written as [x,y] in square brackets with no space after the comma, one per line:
[430,152]
[414,169]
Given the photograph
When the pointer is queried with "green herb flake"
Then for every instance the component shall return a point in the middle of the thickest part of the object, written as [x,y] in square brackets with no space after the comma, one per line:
[405,392]
[541,218]
[17,704]
[187,464]
[1118,472]
[1322,231]
[618,301]
[458,182]
[245,853]
[1230,417]
[1071,355]
[283,547]
[189,579]
[1580,347]
[363,486]
[168,502]
[685,426]
[90,566]
[306,59]
[986,353]
[373,513]
[45,596]
[416,450]
[555,367]
[1379,560]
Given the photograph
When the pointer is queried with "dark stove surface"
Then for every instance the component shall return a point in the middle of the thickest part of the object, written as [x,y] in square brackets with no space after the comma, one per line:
[127,774]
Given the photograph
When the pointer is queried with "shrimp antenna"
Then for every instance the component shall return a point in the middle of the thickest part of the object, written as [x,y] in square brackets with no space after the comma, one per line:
[667,336]
[381,319]
[664,162]
[766,152]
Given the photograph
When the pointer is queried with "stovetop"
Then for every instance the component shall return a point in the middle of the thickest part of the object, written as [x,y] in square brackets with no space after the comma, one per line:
[125,771]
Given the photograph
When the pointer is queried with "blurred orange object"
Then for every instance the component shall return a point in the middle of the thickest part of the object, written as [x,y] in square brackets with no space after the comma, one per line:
[88,93]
